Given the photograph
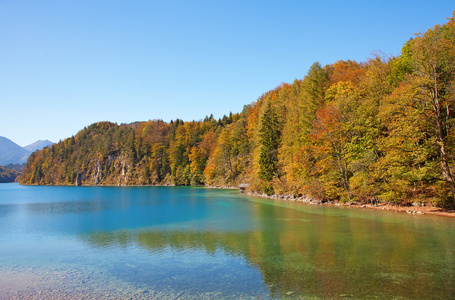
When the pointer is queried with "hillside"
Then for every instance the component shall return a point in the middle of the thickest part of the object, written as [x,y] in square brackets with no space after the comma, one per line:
[8,175]
[347,131]
[11,153]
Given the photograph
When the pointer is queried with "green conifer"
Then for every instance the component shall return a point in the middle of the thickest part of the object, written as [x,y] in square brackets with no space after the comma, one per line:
[270,134]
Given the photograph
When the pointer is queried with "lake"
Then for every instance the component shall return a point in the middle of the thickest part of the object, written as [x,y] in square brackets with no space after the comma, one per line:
[196,243]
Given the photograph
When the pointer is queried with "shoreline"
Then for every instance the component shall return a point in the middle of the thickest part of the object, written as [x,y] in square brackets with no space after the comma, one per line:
[412,210]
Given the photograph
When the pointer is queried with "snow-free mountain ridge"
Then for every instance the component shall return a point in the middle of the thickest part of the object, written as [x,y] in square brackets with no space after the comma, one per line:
[38,145]
[12,153]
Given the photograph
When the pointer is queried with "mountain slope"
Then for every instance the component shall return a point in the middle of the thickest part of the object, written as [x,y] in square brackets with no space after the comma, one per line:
[38,145]
[8,175]
[11,152]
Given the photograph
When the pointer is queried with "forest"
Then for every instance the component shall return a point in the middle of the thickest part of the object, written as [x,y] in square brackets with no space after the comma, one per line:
[9,173]
[346,132]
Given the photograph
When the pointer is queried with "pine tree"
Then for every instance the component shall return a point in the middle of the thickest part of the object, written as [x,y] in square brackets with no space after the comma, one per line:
[270,134]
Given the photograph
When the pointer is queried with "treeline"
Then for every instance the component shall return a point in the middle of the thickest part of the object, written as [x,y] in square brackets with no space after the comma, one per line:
[346,131]
[9,173]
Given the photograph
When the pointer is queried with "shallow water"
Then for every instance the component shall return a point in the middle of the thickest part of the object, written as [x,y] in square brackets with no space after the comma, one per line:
[193,243]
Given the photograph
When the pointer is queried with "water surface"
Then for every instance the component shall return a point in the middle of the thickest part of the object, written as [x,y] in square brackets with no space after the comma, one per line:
[183,242]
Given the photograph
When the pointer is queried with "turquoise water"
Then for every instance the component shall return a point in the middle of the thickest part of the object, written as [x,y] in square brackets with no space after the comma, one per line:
[194,243]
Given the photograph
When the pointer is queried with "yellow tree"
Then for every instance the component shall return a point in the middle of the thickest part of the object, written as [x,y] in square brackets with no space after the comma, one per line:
[431,57]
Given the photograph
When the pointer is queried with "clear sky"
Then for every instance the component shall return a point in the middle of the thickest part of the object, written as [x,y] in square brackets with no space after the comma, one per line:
[67,64]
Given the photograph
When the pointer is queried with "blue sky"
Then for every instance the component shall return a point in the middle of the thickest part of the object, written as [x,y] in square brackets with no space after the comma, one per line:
[67,64]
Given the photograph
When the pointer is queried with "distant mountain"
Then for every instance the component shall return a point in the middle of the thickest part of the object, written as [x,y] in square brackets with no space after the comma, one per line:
[12,153]
[38,145]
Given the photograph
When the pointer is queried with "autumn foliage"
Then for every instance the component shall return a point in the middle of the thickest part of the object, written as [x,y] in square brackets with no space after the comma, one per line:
[345,132]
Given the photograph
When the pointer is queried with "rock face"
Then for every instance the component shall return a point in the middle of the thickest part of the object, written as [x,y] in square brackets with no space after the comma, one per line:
[124,174]
[81,177]
[98,174]
[78,180]
[111,170]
